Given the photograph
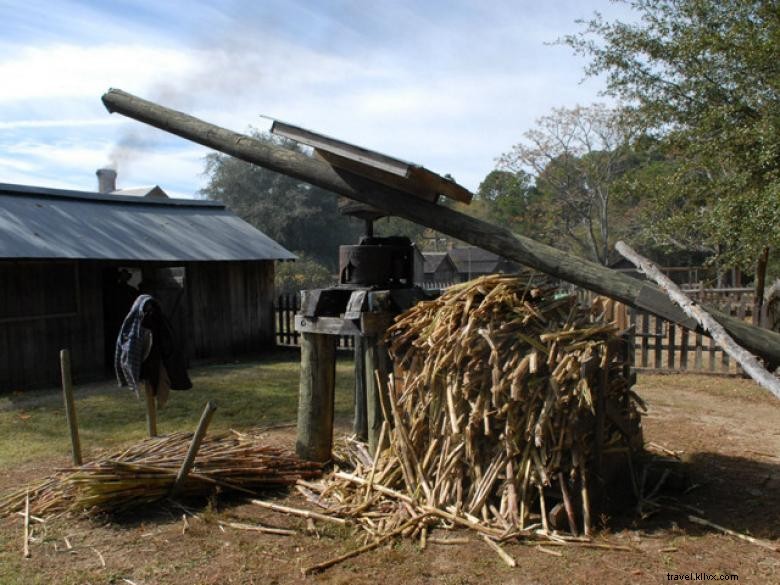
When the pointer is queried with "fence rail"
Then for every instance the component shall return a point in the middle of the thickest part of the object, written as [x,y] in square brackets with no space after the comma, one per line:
[664,346]
[287,305]
[659,345]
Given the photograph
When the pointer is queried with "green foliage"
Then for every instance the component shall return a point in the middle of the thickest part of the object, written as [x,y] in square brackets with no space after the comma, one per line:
[304,273]
[577,156]
[297,215]
[703,76]
[509,199]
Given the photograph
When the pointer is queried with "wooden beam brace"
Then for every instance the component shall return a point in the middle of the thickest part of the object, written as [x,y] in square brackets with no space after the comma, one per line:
[531,253]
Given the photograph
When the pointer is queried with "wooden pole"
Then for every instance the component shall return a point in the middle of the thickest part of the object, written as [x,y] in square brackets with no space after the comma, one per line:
[360,424]
[192,452]
[376,360]
[151,411]
[496,239]
[316,396]
[747,360]
[70,407]
[26,548]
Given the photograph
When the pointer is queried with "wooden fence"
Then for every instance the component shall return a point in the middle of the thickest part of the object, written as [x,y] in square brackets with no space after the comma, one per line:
[664,346]
[287,305]
[659,345]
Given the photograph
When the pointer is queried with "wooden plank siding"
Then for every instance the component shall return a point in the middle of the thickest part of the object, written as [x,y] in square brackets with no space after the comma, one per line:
[231,308]
[32,330]
[225,310]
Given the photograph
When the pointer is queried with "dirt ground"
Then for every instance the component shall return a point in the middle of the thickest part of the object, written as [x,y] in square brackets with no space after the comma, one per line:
[727,430]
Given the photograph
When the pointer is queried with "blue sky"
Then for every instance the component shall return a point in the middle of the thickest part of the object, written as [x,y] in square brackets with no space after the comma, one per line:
[450,85]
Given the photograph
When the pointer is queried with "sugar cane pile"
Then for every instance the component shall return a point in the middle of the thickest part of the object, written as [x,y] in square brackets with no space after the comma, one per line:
[145,473]
[497,415]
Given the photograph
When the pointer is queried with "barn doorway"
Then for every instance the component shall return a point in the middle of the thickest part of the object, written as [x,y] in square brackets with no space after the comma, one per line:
[120,289]
[169,286]
[123,284]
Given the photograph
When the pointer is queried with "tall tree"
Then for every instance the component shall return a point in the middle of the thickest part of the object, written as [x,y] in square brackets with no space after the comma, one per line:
[509,199]
[703,76]
[299,216]
[576,155]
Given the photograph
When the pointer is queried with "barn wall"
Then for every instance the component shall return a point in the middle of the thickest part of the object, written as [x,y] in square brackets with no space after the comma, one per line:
[47,306]
[44,307]
[230,308]
[445,272]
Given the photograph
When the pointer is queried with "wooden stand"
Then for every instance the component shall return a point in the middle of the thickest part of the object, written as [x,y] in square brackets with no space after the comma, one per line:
[319,337]
[316,398]
[376,360]
[360,424]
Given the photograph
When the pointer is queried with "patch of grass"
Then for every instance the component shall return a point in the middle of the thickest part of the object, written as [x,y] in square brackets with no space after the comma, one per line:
[247,394]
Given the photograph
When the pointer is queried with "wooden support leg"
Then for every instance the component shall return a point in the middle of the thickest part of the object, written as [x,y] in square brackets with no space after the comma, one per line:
[376,358]
[360,426]
[316,398]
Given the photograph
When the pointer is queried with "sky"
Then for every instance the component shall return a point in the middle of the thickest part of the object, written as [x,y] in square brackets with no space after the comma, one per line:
[449,85]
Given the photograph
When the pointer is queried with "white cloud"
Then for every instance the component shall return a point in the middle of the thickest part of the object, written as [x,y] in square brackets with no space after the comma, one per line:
[70,70]
[57,123]
[450,91]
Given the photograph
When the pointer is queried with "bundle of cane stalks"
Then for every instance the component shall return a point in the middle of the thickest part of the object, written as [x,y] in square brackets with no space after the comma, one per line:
[145,473]
[505,393]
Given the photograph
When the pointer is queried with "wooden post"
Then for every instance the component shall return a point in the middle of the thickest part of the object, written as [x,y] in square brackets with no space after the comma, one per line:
[316,396]
[151,411]
[192,452]
[360,426]
[376,360]
[70,406]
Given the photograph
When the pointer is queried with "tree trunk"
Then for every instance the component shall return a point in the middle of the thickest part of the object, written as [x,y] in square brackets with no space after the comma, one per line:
[758,295]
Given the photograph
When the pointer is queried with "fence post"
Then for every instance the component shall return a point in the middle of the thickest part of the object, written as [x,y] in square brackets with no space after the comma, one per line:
[282,309]
[684,332]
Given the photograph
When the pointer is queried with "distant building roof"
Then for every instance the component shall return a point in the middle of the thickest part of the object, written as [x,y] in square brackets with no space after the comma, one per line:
[433,260]
[37,222]
[474,260]
[153,191]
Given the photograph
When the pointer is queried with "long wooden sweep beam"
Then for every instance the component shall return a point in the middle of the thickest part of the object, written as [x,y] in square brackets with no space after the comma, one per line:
[628,290]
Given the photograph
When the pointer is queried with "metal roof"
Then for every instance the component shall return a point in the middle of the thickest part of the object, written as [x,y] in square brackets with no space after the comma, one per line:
[43,223]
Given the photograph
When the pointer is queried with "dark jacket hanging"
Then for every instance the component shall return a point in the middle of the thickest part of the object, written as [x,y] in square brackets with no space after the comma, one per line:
[129,361]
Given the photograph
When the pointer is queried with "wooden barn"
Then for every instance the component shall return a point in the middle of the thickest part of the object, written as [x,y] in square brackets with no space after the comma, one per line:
[439,268]
[471,262]
[72,262]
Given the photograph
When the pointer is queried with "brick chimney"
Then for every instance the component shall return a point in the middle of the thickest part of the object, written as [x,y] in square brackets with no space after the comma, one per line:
[106,180]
